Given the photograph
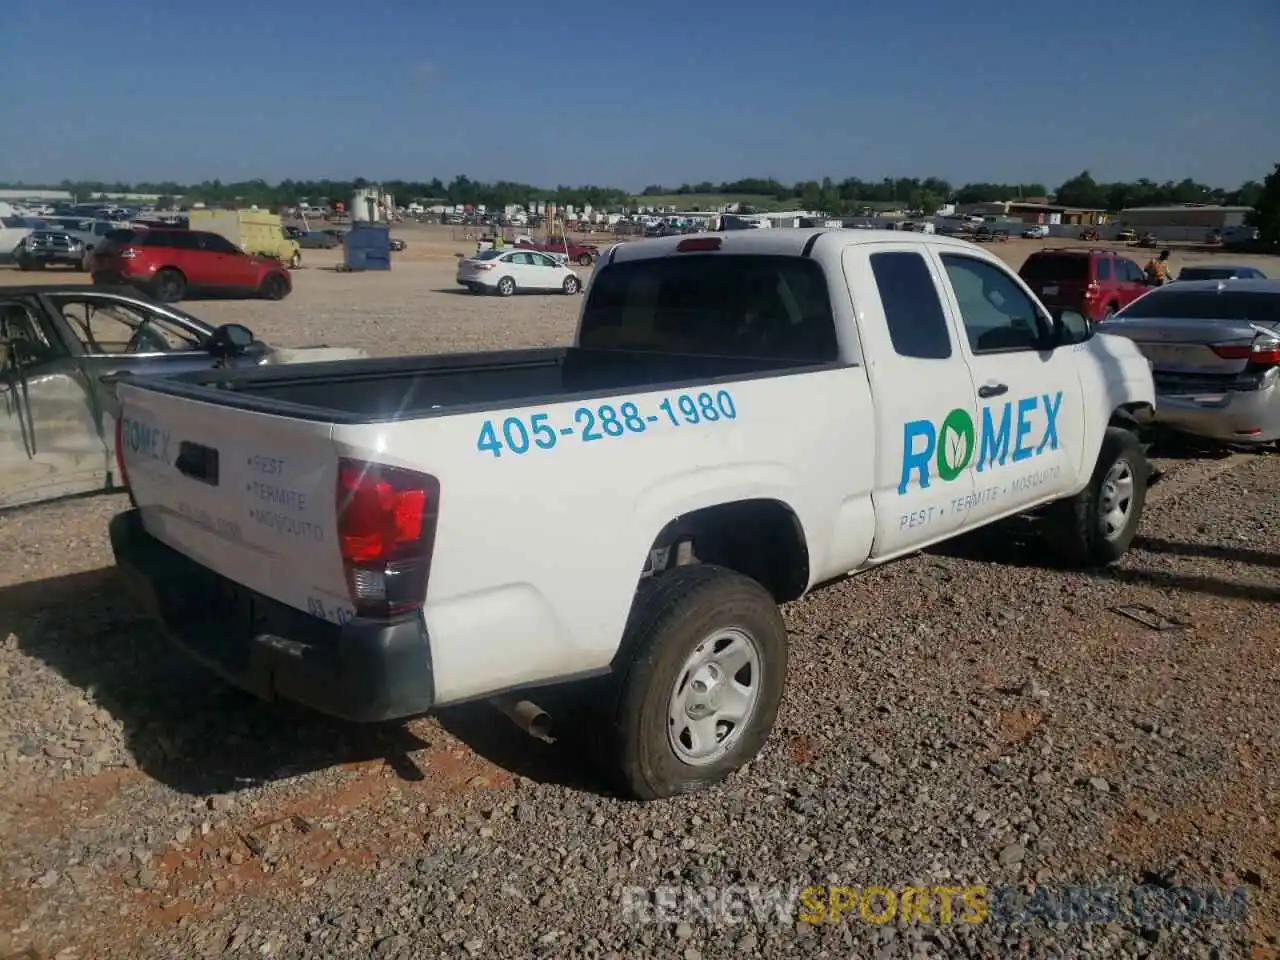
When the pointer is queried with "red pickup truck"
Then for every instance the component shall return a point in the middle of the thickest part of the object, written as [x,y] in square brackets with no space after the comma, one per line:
[583,253]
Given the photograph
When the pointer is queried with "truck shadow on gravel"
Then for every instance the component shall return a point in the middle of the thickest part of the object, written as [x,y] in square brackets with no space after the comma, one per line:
[196,734]
[1019,543]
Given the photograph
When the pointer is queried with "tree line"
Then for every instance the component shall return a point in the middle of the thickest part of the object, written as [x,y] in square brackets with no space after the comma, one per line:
[848,196]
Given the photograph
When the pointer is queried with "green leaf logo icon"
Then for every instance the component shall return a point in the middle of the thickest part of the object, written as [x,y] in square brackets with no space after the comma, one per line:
[955,444]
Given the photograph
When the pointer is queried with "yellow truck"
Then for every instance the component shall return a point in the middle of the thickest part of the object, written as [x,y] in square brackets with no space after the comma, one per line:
[253,231]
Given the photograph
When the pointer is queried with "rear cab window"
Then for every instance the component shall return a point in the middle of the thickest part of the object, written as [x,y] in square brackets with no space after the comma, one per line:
[912,311]
[758,306]
[1056,267]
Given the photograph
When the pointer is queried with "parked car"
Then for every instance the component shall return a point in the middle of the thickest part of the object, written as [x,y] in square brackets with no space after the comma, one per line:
[1037,231]
[40,248]
[1093,281]
[13,230]
[318,240]
[88,231]
[1127,235]
[1221,272]
[397,244]
[170,264]
[506,272]
[625,514]
[1214,348]
[58,342]
[987,234]
[582,253]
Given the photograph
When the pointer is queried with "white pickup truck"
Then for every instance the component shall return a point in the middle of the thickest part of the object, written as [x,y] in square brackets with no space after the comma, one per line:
[742,417]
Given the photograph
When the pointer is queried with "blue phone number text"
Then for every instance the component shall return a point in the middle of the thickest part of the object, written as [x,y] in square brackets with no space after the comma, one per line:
[519,435]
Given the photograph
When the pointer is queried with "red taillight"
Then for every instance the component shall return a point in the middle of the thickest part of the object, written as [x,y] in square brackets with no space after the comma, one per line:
[124,476]
[698,245]
[1263,353]
[1092,290]
[386,532]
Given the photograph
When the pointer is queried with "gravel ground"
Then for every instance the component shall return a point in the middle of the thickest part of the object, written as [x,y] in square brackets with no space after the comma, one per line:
[966,716]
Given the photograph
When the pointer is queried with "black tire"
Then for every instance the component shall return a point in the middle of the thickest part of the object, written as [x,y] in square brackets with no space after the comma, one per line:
[1078,528]
[295,261]
[1109,312]
[274,287]
[506,287]
[584,259]
[24,264]
[169,285]
[673,615]
[571,286]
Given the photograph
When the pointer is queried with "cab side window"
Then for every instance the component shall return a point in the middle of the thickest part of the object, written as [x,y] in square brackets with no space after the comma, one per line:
[997,315]
[912,310]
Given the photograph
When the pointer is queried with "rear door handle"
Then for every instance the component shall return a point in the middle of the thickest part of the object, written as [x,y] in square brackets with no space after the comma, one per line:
[992,390]
[198,462]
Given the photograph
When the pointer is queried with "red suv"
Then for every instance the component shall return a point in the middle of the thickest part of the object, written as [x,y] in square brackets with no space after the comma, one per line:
[1094,282]
[169,264]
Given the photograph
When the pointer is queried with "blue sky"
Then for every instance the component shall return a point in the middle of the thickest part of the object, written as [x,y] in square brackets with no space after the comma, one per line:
[628,94]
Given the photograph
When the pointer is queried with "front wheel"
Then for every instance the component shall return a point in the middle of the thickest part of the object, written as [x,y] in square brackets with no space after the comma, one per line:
[571,286]
[274,287]
[697,687]
[170,286]
[584,259]
[1096,526]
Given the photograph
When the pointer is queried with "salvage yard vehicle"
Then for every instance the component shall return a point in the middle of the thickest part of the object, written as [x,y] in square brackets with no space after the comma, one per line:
[255,232]
[170,264]
[41,248]
[506,272]
[584,254]
[742,417]
[1214,347]
[57,343]
[317,240]
[1090,280]
[1220,271]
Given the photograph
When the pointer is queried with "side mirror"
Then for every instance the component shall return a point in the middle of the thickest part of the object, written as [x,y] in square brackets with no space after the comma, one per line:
[230,340]
[1071,326]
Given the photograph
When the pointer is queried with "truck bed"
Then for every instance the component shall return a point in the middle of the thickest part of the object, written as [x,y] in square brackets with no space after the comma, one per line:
[400,388]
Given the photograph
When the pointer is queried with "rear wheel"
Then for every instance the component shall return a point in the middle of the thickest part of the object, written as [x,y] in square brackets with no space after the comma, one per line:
[169,285]
[296,260]
[506,287]
[584,259]
[274,287]
[571,285]
[1096,526]
[1109,312]
[695,696]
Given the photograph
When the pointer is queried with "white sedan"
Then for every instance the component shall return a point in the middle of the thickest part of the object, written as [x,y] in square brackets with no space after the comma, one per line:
[506,271]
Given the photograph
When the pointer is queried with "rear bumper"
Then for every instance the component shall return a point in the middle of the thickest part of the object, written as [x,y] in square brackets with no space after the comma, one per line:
[1232,417]
[364,671]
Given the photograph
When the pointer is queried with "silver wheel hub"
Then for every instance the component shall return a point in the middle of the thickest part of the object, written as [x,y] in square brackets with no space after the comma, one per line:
[1115,499]
[714,697]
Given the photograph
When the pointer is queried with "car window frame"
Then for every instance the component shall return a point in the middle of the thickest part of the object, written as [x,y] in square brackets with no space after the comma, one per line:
[1044,322]
[50,339]
[58,300]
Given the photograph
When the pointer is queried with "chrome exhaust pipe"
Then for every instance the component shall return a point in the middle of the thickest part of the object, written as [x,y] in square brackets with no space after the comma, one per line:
[528,716]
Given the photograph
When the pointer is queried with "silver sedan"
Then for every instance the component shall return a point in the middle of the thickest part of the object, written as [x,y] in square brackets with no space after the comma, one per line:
[1214,348]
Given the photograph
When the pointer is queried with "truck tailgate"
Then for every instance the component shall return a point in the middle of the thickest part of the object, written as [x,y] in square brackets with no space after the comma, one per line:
[248,495]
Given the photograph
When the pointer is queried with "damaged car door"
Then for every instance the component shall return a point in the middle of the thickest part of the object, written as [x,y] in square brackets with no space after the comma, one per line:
[50,440]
